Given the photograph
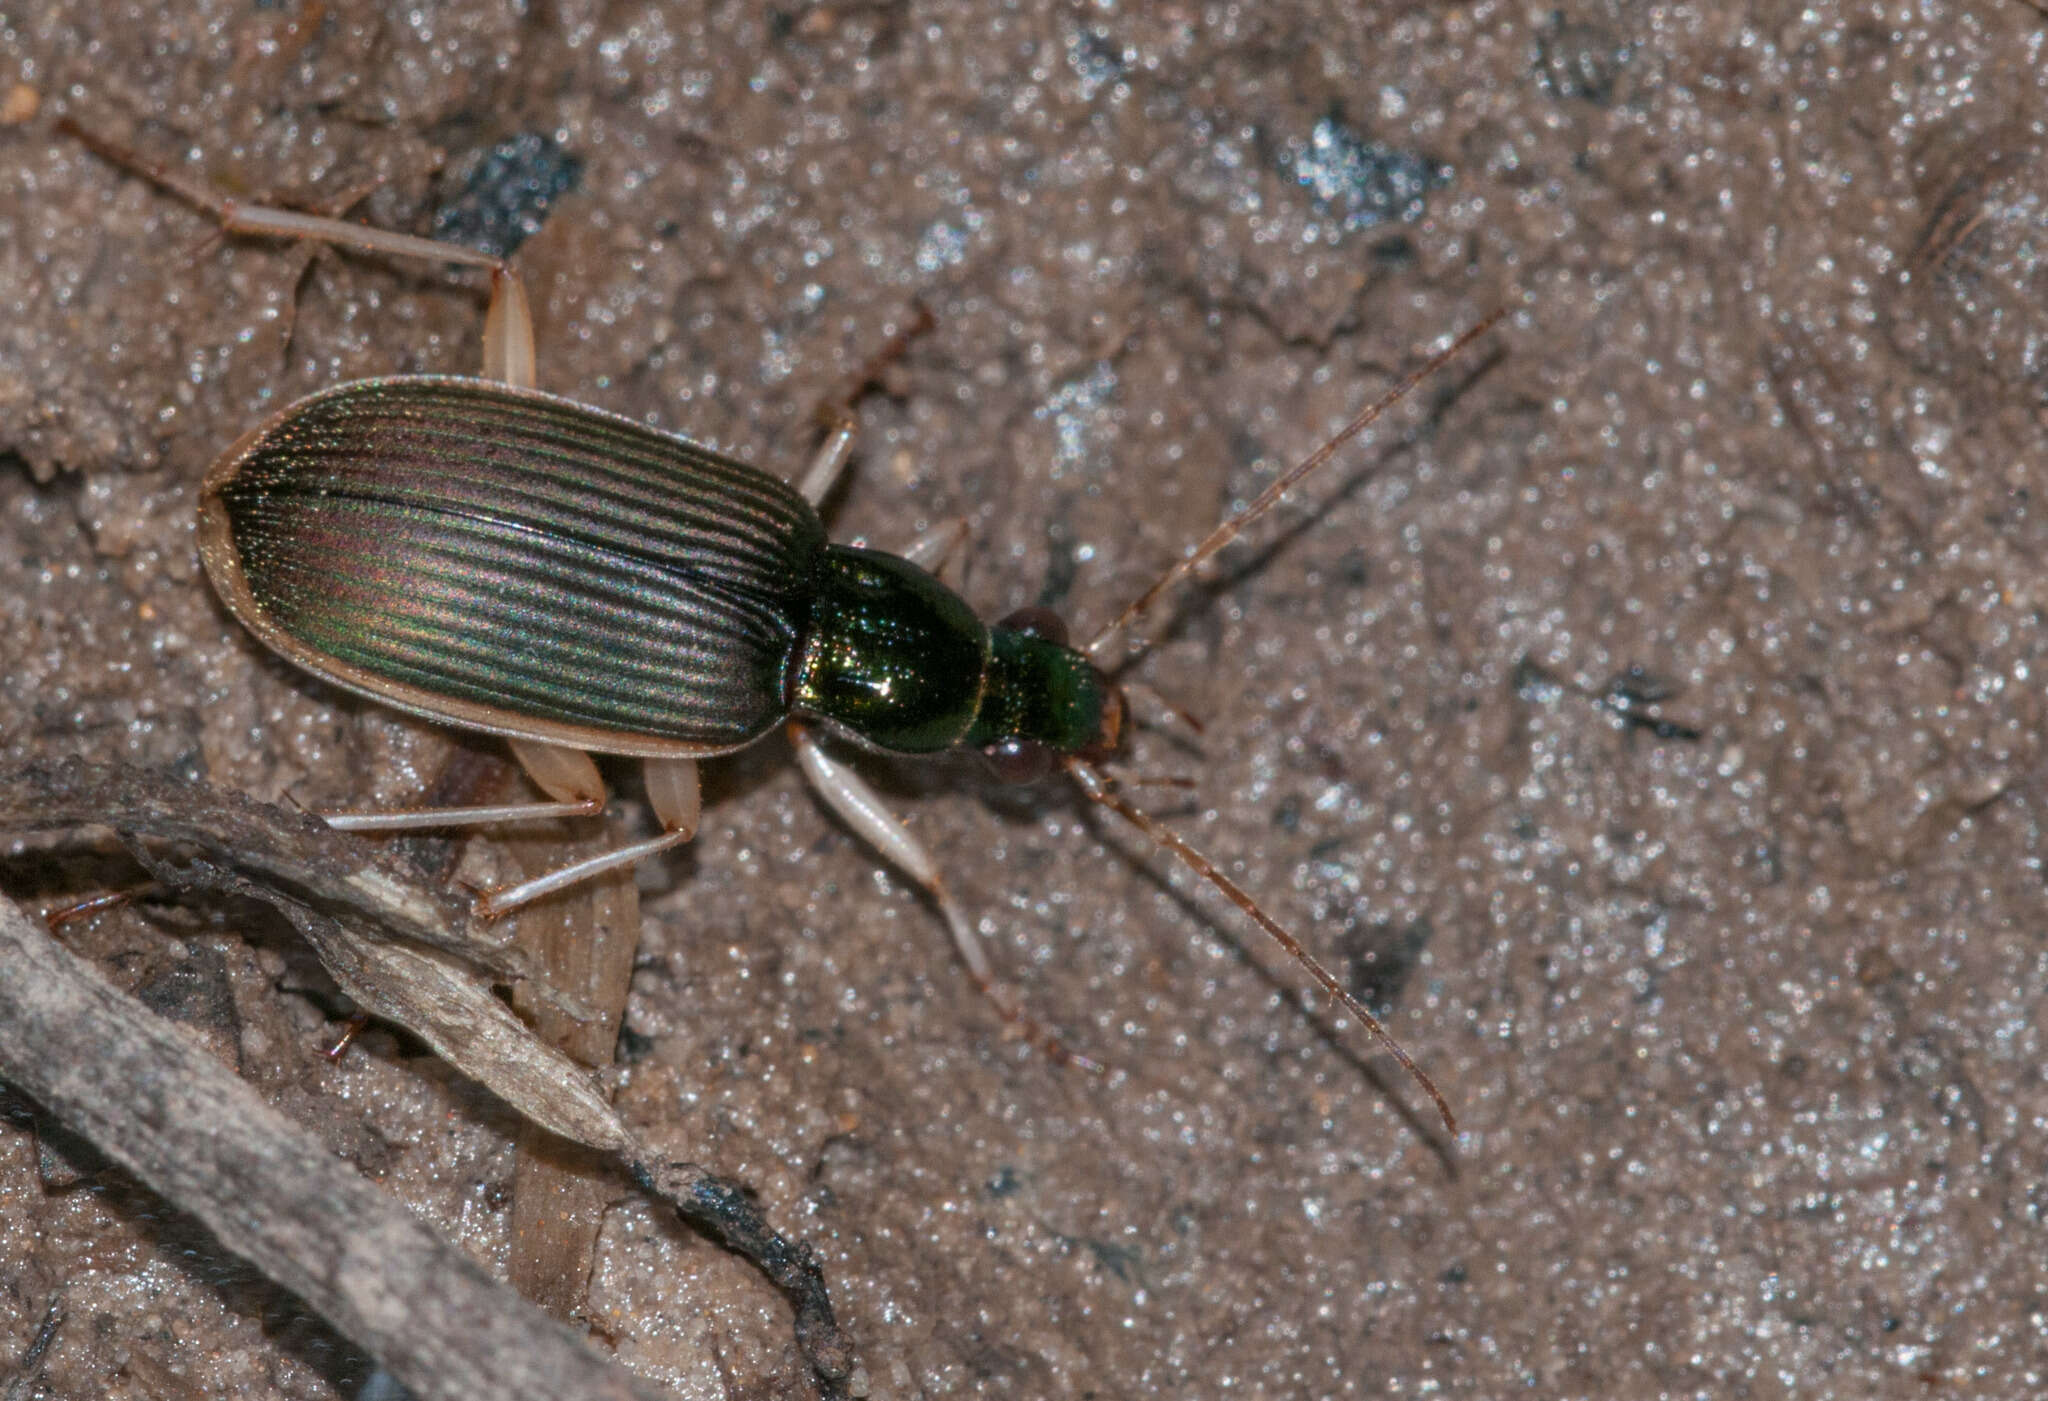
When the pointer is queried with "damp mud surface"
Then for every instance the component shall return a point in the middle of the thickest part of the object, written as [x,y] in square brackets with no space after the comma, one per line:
[1645,716]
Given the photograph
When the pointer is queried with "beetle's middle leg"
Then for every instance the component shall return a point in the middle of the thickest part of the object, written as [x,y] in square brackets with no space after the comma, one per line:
[830,461]
[862,809]
[837,412]
[938,547]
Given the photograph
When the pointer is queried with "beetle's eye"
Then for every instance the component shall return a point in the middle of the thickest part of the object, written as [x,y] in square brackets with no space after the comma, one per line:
[1019,760]
[1039,622]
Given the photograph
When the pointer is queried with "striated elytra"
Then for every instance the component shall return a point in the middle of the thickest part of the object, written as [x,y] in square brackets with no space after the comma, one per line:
[522,564]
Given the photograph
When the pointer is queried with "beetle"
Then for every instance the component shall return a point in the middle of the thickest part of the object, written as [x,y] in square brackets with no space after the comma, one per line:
[479,553]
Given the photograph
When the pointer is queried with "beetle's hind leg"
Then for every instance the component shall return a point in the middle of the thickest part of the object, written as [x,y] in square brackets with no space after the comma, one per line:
[862,809]
[565,774]
[508,328]
[575,789]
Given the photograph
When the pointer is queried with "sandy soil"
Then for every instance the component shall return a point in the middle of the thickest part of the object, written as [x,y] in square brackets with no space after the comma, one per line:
[1739,1010]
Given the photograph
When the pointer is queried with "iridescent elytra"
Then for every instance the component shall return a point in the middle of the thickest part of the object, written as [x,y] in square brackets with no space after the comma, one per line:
[482,554]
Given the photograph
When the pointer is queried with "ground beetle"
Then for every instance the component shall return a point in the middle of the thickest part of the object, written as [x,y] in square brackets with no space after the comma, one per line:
[480,553]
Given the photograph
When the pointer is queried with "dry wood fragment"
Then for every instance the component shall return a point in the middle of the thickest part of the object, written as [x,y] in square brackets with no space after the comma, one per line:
[152,1100]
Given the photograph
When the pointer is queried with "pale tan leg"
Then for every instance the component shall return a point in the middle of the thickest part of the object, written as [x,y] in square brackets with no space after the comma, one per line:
[572,781]
[937,547]
[838,412]
[421,819]
[508,331]
[672,791]
[565,775]
[508,328]
[862,809]
[830,462]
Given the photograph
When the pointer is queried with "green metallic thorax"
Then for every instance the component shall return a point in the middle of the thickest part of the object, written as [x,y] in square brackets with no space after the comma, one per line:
[891,653]
[900,660]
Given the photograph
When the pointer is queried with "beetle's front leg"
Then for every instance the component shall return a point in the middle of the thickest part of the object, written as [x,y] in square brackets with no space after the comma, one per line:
[933,550]
[861,808]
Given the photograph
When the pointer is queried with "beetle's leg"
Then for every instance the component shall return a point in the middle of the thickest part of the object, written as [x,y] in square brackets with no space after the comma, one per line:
[671,790]
[333,208]
[937,547]
[836,413]
[830,461]
[422,819]
[237,217]
[350,1030]
[508,328]
[674,793]
[861,808]
[508,331]
[565,775]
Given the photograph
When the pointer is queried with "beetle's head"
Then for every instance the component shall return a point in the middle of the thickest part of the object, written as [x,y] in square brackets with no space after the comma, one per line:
[1044,701]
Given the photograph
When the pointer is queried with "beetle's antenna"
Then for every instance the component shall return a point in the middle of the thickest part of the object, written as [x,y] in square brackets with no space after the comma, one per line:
[1097,790]
[1269,498]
